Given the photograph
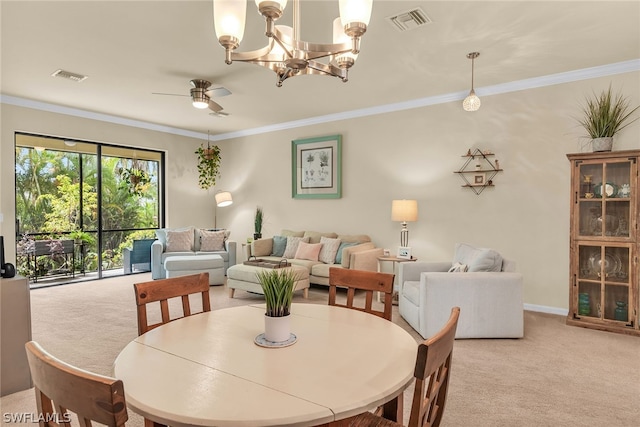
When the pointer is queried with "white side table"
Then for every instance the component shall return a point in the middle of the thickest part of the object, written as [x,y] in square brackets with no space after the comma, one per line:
[393,260]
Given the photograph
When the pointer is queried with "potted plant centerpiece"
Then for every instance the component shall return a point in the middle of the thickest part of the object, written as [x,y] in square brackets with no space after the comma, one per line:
[605,115]
[278,285]
[257,223]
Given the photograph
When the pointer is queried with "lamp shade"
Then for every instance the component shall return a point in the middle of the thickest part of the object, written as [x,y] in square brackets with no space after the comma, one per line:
[352,11]
[404,210]
[229,18]
[223,198]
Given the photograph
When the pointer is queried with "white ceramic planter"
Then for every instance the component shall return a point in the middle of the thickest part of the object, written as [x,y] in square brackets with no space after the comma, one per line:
[277,329]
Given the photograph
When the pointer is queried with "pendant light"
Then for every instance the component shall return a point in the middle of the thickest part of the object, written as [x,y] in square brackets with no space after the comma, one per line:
[472,102]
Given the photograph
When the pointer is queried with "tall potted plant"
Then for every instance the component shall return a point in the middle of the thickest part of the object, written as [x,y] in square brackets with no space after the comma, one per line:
[208,165]
[257,224]
[605,115]
[278,286]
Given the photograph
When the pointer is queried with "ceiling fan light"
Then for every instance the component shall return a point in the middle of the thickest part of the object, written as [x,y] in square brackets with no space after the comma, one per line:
[229,18]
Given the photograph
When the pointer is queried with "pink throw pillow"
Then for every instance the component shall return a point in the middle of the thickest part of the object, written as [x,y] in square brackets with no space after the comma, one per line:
[308,251]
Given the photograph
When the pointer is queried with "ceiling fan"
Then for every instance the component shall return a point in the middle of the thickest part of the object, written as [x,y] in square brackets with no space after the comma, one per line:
[201,95]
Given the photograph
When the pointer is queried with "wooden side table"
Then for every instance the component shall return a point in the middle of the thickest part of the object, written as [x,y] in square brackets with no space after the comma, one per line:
[393,260]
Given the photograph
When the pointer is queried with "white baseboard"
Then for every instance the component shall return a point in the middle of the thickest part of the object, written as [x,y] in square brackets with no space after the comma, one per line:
[546,309]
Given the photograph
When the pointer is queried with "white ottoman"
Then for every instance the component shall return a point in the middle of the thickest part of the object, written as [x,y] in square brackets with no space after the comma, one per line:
[192,264]
[244,277]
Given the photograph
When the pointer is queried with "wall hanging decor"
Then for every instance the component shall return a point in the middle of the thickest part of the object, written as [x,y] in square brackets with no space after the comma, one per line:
[316,165]
[478,170]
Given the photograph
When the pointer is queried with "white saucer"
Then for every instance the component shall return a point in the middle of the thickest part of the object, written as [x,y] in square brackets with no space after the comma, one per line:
[263,342]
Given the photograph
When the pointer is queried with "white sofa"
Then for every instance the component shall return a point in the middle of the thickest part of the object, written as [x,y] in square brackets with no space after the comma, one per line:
[361,254]
[489,294]
[190,243]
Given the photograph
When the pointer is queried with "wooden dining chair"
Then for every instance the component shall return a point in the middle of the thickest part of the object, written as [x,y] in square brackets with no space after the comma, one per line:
[62,389]
[367,281]
[432,372]
[162,290]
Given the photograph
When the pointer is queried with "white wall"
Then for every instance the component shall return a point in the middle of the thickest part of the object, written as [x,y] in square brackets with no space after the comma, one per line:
[408,154]
[412,154]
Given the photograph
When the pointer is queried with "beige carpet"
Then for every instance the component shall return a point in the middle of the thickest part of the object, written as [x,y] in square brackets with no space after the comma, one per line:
[556,376]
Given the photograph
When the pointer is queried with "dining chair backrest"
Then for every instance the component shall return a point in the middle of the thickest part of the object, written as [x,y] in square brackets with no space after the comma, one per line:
[62,389]
[361,280]
[433,369]
[162,290]
[432,372]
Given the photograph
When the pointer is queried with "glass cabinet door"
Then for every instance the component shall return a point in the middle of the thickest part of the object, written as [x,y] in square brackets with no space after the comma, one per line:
[603,282]
[604,199]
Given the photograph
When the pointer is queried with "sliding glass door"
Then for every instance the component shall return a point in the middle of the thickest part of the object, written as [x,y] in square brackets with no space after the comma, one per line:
[101,197]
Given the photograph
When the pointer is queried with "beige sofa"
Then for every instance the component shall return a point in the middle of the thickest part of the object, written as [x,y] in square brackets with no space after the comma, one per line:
[355,252]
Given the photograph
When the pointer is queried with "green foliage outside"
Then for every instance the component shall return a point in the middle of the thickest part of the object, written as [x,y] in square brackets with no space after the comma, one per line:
[49,190]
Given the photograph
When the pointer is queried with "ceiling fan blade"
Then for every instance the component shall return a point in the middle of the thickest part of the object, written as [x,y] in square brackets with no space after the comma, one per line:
[220,114]
[217,92]
[214,106]
[168,94]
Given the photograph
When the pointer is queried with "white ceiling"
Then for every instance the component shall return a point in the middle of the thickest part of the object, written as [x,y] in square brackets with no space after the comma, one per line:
[130,49]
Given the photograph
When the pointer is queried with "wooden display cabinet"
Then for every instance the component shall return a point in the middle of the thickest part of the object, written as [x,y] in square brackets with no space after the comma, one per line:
[603,288]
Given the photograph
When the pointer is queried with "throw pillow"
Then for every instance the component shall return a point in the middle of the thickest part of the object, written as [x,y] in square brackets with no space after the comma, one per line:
[340,248]
[308,251]
[161,234]
[477,259]
[329,250]
[179,241]
[292,246]
[279,245]
[212,240]
[314,236]
[458,268]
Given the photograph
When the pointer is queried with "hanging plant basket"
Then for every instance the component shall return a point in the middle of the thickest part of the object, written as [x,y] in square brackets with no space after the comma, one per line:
[208,165]
[136,180]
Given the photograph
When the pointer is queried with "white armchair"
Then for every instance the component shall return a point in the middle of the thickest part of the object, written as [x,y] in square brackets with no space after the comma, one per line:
[490,302]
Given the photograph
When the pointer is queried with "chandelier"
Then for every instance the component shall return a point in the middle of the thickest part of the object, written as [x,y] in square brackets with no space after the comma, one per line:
[285,54]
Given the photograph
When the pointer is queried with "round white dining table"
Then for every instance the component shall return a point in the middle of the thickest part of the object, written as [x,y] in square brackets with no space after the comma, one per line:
[206,370]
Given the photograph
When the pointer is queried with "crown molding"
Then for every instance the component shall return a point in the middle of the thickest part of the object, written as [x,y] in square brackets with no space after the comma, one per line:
[515,86]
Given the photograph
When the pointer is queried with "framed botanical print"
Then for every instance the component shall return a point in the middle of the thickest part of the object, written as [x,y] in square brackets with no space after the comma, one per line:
[316,168]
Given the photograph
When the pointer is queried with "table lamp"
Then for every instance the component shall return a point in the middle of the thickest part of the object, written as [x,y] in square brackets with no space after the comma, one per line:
[404,211]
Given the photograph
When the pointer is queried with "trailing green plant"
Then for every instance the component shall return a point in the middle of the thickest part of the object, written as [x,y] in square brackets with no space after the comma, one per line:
[257,222]
[278,286]
[606,114]
[208,165]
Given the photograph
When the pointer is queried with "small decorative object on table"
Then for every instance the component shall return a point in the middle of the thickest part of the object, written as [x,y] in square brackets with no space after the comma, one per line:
[278,286]
[404,252]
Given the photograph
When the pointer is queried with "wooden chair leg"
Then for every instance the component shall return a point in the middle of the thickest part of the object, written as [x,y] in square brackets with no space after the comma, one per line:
[305,293]
[392,410]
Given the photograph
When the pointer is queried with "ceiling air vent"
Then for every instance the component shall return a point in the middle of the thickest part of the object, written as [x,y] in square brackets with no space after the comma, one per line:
[69,75]
[409,20]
